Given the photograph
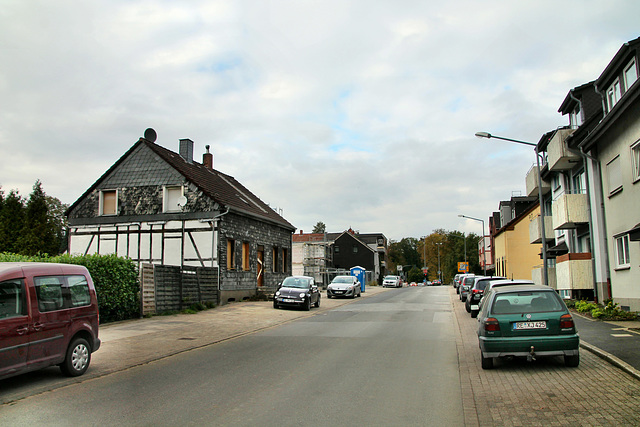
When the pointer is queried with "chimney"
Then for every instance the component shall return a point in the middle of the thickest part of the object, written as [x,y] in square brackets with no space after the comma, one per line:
[207,159]
[186,150]
[301,232]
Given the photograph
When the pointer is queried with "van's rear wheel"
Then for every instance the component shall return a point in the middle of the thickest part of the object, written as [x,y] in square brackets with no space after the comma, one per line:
[77,358]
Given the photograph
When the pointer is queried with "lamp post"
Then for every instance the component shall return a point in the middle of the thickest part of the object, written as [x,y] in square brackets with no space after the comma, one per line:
[484,246]
[540,200]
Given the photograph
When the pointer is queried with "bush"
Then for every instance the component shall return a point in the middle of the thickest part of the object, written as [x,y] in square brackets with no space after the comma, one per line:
[584,306]
[115,278]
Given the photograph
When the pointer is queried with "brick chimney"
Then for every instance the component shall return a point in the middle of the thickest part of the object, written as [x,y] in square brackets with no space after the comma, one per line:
[186,150]
[207,159]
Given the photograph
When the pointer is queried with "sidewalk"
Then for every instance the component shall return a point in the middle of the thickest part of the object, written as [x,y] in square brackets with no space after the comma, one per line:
[616,342]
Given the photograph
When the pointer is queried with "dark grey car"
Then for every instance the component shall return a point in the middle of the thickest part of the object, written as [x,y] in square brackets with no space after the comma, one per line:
[297,291]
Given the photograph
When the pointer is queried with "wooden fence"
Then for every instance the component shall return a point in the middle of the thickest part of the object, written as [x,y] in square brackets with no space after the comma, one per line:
[173,288]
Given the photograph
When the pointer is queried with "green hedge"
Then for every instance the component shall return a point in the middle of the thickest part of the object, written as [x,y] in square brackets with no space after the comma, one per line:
[116,280]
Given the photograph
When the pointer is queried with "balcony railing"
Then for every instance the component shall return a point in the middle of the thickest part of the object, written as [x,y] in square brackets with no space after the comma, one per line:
[570,210]
[574,271]
[559,156]
[532,183]
[535,229]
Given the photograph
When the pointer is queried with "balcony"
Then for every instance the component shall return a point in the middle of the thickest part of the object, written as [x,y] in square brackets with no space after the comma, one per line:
[559,156]
[532,183]
[574,271]
[536,276]
[535,229]
[570,210]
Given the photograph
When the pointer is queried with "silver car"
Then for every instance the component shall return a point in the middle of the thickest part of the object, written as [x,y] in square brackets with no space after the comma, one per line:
[344,286]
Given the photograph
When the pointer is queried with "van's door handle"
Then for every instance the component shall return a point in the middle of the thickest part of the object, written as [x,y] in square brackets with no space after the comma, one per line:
[38,326]
[23,330]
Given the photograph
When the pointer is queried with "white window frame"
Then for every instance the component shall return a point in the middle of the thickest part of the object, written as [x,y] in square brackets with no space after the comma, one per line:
[630,66]
[621,249]
[614,176]
[635,161]
[575,118]
[101,203]
[613,94]
[169,201]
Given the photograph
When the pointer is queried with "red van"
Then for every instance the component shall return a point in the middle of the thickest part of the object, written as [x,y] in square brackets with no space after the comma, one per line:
[48,316]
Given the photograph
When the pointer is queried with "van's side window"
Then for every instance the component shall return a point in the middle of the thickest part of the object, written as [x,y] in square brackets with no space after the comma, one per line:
[78,291]
[12,298]
[49,293]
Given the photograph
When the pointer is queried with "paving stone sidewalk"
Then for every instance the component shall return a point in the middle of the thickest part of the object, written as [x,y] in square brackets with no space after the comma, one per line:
[542,393]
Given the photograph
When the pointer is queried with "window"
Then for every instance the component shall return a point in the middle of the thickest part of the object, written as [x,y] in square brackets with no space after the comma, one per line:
[49,293]
[58,292]
[614,176]
[635,161]
[275,259]
[355,249]
[245,256]
[630,74]
[579,183]
[575,118]
[108,202]
[171,196]
[336,249]
[12,298]
[622,251]
[231,254]
[78,291]
[613,94]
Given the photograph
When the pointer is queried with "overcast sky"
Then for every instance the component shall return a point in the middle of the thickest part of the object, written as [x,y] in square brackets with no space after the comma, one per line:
[358,114]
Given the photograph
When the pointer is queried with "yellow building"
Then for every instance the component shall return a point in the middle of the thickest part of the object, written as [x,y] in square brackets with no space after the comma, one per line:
[515,256]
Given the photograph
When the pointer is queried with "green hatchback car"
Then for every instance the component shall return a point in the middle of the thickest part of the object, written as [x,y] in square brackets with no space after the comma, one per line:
[526,321]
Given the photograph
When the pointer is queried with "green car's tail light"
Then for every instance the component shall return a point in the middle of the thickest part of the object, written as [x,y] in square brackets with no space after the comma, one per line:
[491,325]
[566,321]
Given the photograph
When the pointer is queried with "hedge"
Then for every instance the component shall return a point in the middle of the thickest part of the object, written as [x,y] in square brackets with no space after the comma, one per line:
[116,280]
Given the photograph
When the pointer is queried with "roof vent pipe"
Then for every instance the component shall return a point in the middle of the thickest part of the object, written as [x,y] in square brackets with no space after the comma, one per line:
[186,150]
[207,159]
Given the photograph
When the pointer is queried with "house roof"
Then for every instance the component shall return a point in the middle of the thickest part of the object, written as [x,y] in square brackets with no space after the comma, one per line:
[223,189]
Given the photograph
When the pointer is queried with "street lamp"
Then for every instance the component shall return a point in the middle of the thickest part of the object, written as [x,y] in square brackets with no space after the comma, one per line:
[544,237]
[484,245]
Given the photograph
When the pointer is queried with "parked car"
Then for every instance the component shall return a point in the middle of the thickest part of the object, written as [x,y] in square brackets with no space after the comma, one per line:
[48,316]
[496,283]
[344,286]
[526,321]
[436,282]
[391,282]
[297,291]
[465,285]
[476,291]
[458,280]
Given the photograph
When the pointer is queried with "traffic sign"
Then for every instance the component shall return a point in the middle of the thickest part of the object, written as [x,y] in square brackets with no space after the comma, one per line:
[463,267]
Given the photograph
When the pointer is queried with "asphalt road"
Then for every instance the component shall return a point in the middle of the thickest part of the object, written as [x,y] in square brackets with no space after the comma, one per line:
[390,359]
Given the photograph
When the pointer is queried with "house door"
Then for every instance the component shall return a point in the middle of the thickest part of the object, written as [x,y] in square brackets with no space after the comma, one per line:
[260,266]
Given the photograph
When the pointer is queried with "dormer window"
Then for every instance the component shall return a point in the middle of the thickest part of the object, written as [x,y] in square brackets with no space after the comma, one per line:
[171,197]
[575,118]
[613,94]
[630,74]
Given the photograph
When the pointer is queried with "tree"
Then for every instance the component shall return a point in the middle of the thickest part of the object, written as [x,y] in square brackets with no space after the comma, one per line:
[11,222]
[319,228]
[38,234]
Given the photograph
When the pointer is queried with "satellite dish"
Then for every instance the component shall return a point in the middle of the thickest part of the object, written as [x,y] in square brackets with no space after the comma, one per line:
[150,135]
[182,201]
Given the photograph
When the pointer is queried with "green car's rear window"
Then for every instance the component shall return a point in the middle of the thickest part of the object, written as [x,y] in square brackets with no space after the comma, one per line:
[526,302]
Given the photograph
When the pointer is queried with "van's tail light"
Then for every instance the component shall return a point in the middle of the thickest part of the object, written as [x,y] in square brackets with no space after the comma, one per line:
[566,321]
[491,325]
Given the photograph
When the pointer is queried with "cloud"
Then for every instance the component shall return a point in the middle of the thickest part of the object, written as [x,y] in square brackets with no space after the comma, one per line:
[358,114]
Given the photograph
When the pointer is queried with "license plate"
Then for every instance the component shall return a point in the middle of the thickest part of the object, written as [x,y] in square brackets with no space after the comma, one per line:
[287,300]
[475,307]
[529,325]
[338,292]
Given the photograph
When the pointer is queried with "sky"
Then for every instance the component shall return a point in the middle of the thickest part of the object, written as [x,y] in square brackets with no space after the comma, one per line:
[360,114]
